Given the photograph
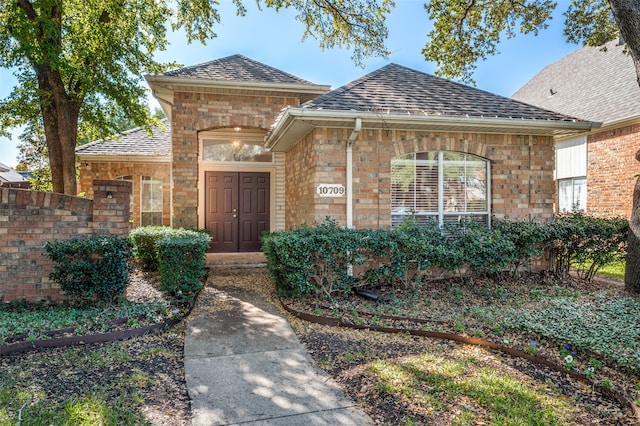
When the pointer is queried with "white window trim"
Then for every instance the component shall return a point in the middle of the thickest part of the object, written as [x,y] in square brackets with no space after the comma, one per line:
[441,203]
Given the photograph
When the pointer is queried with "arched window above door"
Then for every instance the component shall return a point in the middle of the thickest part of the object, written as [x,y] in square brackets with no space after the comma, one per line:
[235,144]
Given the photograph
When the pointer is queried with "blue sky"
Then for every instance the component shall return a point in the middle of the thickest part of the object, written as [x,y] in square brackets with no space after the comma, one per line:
[275,39]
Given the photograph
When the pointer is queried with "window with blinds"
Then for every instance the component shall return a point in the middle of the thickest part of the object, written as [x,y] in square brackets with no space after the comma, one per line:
[444,186]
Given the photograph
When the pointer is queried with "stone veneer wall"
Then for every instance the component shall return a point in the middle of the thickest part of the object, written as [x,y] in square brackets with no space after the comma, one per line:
[611,171]
[107,170]
[522,184]
[28,219]
[194,112]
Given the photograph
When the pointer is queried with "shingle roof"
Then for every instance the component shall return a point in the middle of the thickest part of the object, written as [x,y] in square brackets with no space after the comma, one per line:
[400,90]
[237,68]
[11,176]
[590,83]
[132,142]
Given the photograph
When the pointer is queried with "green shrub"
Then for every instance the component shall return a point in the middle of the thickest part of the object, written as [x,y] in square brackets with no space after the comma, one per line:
[405,252]
[529,238]
[93,267]
[307,259]
[144,245]
[181,257]
[484,250]
[586,243]
[328,258]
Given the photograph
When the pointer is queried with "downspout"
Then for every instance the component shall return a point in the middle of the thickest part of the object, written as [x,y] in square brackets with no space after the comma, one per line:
[352,137]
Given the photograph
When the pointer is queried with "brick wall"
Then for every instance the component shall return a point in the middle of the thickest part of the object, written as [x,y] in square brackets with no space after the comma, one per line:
[299,188]
[108,170]
[611,170]
[194,112]
[28,219]
[522,185]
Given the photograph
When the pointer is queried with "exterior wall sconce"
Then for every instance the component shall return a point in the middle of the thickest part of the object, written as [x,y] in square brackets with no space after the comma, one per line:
[109,194]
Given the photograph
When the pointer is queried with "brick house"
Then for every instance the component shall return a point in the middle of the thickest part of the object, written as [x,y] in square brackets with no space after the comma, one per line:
[252,148]
[595,171]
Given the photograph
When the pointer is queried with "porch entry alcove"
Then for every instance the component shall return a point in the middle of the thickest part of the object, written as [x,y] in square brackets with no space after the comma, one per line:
[237,210]
[237,201]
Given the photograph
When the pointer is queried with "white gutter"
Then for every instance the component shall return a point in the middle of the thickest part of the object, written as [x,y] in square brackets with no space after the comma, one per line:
[302,120]
[352,138]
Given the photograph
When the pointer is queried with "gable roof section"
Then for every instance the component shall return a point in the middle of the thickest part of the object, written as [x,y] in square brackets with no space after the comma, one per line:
[593,83]
[401,90]
[235,74]
[396,97]
[133,143]
[237,68]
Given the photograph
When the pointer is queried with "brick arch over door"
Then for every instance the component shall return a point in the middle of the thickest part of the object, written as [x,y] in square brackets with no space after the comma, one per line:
[194,112]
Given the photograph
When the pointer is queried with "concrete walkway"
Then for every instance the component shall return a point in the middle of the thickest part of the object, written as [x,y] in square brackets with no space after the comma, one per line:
[245,366]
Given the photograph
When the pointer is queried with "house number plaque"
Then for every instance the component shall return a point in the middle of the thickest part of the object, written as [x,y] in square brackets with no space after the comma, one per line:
[330,190]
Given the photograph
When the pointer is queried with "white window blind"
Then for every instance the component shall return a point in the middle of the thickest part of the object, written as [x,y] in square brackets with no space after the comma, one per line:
[443,186]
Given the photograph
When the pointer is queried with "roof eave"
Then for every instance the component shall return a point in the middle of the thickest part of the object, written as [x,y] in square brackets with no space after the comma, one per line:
[295,123]
[231,85]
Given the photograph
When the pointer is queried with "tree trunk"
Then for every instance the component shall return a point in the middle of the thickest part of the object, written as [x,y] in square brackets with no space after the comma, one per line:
[627,15]
[60,114]
[632,271]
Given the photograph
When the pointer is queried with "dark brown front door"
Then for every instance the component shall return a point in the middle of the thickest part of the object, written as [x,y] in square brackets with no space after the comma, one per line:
[237,210]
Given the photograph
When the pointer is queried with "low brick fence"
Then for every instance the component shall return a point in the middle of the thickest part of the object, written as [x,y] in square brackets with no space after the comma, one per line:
[28,219]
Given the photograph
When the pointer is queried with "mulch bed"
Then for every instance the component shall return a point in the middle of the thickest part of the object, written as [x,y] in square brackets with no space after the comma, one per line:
[344,353]
[156,355]
[334,349]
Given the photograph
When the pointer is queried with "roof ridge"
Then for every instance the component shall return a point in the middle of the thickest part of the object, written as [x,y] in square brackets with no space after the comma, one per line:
[188,67]
[403,90]
[237,68]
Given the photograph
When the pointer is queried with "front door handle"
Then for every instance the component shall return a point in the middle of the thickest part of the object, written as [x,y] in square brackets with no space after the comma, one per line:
[235,215]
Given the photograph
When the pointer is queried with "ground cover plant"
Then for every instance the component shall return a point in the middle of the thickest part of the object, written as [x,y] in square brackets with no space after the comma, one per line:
[473,281]
[132,382]
[139,381]
[589,328]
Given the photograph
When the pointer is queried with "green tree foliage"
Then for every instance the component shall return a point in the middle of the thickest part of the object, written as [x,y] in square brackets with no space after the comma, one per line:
[79,63]
[467,31]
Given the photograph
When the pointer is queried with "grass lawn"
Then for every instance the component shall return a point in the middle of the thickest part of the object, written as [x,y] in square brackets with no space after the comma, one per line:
[613,270]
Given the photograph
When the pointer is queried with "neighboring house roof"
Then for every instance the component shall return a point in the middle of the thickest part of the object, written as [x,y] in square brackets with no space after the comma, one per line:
[233,74]
[4,167]
[396,97]
[237,68]
[134,142]
[593,83]
[11,176]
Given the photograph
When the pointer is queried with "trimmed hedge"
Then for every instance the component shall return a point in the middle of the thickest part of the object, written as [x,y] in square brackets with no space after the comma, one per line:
[585,244]
[181,259]
[93,267]
[328,258]
[144,245]
[179,255]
